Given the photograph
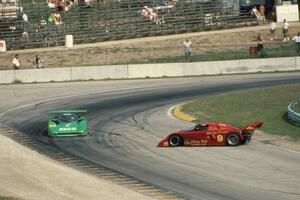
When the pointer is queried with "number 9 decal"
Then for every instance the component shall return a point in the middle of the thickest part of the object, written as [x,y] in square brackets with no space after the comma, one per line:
[220,138]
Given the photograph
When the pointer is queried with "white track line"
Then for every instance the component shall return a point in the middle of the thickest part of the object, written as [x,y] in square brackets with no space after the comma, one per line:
[170,111]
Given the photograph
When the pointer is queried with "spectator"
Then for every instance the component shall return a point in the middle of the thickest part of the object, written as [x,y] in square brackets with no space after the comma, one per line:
[171,2]
[152,15]
[57,18]
[51,4]
[296,39]
[260,44]
[12,28]
[69,5]
[145,12]
[187,45]
[51,18]
[285,29]
[39,63]
[25,37]
[262,9]
[88,2]
[272,30]
[16,62]
[255,12]
[25,23]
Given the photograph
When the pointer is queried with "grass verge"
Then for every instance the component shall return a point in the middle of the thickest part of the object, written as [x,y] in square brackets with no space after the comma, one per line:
[280,51]
[240,108]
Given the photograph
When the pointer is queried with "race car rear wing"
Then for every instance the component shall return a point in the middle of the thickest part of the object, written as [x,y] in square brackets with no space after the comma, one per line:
[54,114]
[253,126]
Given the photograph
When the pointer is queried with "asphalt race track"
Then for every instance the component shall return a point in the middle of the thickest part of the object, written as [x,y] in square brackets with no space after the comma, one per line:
[127,119]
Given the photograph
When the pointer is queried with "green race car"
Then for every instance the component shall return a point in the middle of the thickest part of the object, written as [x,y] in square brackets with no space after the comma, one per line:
[67,123]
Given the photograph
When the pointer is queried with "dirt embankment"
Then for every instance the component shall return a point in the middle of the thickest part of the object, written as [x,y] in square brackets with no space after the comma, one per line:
[144,49]
[27,174]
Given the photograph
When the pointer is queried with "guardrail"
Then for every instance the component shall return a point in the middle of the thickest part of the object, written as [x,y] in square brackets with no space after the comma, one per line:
[293,112]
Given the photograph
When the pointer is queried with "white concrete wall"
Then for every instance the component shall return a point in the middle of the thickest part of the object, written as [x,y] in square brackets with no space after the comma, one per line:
[150,70]
[43,75]
[269,64]
[7,76]
[155,70]
[297,63]
[100,72]
[208,68]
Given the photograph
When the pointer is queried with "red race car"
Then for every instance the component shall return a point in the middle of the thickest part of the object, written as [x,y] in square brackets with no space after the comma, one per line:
[211,134]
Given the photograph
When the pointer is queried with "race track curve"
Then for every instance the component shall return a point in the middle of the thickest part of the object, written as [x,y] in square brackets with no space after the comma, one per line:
[127,119]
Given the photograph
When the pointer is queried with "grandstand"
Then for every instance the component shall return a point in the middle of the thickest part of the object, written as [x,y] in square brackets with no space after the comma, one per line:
[100,20]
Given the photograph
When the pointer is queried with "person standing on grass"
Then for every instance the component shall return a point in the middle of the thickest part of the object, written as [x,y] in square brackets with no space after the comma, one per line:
[296,39]
[39,63]
[187,45]
[285,29]
[16,62]
[272,30]
[260,44]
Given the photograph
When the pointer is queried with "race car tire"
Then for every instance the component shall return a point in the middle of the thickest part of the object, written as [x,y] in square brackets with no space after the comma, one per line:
[175,141]
[233,139]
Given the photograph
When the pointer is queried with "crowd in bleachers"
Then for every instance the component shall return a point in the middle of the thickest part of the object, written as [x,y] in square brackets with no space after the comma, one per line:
[152,15]
[62,5]
[97,20]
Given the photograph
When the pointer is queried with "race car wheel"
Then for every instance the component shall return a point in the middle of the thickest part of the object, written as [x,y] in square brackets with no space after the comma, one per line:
[175,141]
[233,139]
